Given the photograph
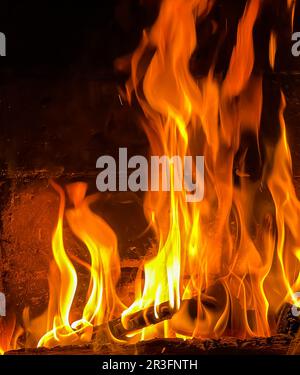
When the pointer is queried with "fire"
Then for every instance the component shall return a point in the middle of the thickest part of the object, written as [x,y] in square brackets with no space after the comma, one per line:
[233,258]
[214,251]
[102,301]
[61,293]
[7,327]
[292,6]
[101,242]
[272,49]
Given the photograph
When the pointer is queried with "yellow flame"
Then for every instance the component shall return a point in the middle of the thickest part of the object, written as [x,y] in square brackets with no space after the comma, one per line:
[62,292]
[101,242]
[102,301]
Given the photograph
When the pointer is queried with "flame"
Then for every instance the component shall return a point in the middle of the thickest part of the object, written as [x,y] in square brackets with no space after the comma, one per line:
[291,4]
[101,243]
[170,95]
[223,265]
[287,210]
[62,292]
[102,301]
[272,49]
[219,250]
[7,327]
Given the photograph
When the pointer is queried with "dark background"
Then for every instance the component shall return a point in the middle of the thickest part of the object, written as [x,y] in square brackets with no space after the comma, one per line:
[59,105]
[50,36]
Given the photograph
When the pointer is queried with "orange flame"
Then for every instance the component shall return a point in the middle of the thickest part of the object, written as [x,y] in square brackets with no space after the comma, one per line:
[7,327]
[101,242]
[272,49]
[210,250]
[102,301]
[233,258]
[291,4]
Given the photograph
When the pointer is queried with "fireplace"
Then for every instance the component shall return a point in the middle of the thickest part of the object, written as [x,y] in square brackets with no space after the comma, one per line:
[149,179]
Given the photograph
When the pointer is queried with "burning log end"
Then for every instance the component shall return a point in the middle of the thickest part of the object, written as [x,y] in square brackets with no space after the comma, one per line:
[142,319]
[145,318]
[288,323]
[135,322]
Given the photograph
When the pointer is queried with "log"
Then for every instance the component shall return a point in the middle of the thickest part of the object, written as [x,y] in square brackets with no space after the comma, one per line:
[135,322]
[287,323]
[274,345]
[139,320]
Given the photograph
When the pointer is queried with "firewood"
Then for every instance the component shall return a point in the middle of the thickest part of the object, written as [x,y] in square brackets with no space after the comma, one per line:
[288,323]
[275,345]
[135,322]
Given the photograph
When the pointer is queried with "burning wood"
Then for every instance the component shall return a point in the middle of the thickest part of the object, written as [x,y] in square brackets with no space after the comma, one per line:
[275,345]
[287,322]
[134,322]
